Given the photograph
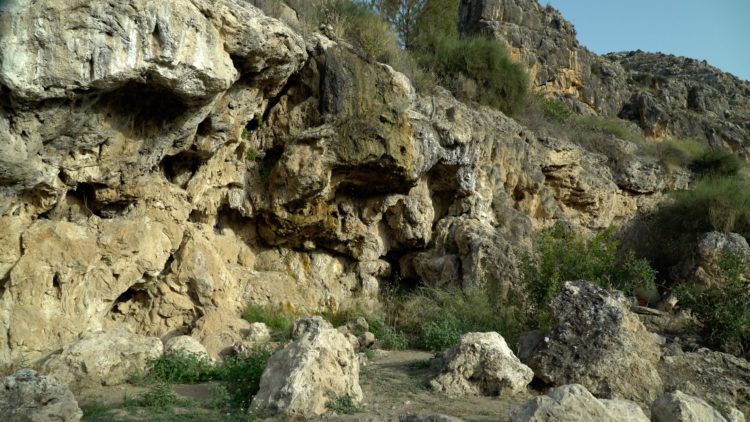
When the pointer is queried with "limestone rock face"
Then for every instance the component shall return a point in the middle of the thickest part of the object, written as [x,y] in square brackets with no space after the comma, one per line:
[300,379]
[482,364]
[103,358]
[573,403]
[681,407]
[29,396]
[598,342]
[702,266]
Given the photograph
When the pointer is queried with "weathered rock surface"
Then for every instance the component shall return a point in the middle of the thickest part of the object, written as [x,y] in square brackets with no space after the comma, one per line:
[701,267]
[185,344]
[27,396]
[103,358]
[719,378]
[681,407]
[596,341]
[573,403]
[300,379]
[481,364]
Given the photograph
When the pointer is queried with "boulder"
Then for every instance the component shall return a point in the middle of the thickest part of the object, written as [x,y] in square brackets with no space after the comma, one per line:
[103,358]
[681,407]
[574,403]
[27,396]
[596,341]
[482,364]
[702,265]
[258,334]
[301,378]
[310,326]
[186,344]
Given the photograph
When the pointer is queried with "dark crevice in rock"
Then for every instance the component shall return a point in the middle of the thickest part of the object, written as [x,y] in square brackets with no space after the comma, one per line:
[180,168]
[84,196]
[141,109]
[57,286]
[135,297]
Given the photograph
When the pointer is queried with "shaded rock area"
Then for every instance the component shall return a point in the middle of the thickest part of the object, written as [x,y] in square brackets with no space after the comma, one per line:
[573,403]
[103,358]
[29,396]
[596,341]
[301,379]
[481,364]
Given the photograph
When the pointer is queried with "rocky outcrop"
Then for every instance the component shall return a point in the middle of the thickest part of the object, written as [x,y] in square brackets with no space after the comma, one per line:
[680,407]
[721,379]
[702,266]
[667,96]
[301,379]
[29,396]
[596,341]
[481,364]
[103,358]
[573,403]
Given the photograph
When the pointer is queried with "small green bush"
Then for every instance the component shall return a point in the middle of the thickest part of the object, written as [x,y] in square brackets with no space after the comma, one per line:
[440,335]
[555,108]
[251,154]
[343,404]
[178,366]
[676,152]
[717,162]
[242,375]
[610,125]
[723,310]
[278,320]
[160,397]
[561,255]
[390,338]
[476,69]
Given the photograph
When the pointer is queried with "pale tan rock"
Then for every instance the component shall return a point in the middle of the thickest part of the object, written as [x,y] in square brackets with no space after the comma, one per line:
[219,330]
[103,358]
[300,379]
[680,407]
[481,364]
[573,403]
[186,344]
[29,396]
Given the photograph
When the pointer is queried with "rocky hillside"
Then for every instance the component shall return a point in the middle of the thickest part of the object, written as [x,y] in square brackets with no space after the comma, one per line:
[162,167]
[666,96]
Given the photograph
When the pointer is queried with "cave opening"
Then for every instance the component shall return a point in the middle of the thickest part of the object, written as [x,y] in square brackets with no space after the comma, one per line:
[142,109]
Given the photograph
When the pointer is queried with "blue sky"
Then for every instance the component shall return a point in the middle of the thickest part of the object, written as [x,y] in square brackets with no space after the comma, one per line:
[717,31]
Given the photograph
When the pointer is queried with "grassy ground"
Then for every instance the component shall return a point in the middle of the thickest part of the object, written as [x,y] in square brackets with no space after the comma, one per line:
[394,383]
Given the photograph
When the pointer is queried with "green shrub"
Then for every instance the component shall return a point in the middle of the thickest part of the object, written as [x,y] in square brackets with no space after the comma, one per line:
[245,134]
[561,255]
[178,366]
[723,310]
[343,404]
[612,126]
[717,162]
[159,396]
[278,320]
[437,318]
[675,152]
[555,108]
[476,69]
[716,203]
[251,154]
[242,375]
[390,338]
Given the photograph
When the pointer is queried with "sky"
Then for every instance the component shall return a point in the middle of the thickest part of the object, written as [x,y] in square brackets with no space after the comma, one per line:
[717,31]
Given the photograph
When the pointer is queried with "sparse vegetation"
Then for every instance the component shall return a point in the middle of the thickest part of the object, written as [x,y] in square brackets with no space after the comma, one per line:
[561,255]
[251,154]
[278,319]
[717,162]
[343,404]
[178,366]
[476,69]
[723,310]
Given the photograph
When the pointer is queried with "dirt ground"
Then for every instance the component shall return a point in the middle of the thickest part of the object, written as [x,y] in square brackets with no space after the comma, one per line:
[394,383]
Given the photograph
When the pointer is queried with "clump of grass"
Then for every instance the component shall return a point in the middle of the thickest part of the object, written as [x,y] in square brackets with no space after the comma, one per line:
[242,374]
[717,162]
[277,318]
[159,396]
[343,404]
[390,338]
[251,154]
[677,152]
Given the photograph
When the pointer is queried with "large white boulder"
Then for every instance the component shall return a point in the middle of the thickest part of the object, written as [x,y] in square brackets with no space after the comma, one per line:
[681,407]
[103,358]
[482,364]
[300,379]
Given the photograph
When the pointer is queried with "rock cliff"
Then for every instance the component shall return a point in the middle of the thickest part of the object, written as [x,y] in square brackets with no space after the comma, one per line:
[162,167]
[667,96]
